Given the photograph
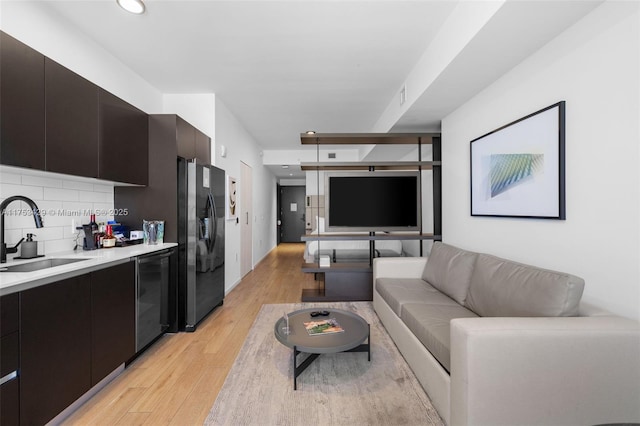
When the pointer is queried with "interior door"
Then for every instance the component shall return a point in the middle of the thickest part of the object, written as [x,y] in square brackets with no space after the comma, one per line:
[292,213]
[246,221]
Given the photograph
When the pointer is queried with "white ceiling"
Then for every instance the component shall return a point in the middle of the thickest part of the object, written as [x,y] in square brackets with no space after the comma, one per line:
[284,67]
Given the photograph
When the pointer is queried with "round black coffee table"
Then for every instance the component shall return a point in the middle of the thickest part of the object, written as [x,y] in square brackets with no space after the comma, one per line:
[356,331]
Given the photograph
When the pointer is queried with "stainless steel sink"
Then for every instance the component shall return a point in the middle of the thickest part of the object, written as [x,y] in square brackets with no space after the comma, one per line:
[40,264]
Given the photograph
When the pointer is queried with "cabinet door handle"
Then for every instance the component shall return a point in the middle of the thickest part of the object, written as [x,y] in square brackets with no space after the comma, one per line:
[9,377]
[247,218]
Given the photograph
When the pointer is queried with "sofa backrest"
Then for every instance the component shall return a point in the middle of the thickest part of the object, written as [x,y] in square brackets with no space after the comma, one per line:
[449,270]
[502,288]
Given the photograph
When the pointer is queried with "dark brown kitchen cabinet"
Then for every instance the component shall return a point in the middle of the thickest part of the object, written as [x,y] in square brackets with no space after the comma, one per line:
[113,319]
[22,125]
[169,137]
[55,120]
[55,353]
[124,138]
[73,333]
[203,148]
[9,359]
[185,138]
[192,143]
[9,314]
[72,120]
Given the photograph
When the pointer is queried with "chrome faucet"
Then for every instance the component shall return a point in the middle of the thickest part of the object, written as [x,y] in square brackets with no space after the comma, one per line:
[36,217]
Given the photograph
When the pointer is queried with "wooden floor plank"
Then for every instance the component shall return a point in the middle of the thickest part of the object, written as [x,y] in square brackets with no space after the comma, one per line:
[177,380]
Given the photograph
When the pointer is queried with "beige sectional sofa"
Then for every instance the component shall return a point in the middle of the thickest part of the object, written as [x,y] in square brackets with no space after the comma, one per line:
[495,342]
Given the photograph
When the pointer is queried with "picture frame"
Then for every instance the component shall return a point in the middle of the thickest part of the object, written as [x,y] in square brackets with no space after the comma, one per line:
[231,199]
[518,170]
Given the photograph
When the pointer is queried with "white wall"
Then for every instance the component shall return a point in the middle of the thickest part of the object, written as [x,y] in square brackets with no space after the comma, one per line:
[241,146]
[594,66]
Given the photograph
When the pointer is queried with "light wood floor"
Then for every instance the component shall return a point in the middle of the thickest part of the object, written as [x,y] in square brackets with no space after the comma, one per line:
[177,380]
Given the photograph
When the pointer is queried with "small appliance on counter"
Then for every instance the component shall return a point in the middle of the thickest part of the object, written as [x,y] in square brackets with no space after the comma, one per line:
[89,242]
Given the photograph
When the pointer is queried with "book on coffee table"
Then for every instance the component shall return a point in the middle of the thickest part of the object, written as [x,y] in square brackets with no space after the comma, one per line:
[326,326]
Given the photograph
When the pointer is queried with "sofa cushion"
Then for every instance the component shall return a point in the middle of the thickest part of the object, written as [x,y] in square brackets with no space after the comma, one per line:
[398,291]
[449,270]
[502,288]
[430,324]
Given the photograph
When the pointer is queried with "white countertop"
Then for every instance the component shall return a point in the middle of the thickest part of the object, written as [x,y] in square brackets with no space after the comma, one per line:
[11,282]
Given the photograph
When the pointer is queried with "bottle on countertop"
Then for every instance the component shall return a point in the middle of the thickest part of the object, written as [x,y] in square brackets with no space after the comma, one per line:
[101,233]
[94,230]
[109,240]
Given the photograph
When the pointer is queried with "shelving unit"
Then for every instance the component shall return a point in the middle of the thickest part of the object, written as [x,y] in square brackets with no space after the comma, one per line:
[385,236]
[377,165]
[354,281]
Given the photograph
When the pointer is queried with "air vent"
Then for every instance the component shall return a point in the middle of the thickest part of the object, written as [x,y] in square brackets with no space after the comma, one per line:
[332,155]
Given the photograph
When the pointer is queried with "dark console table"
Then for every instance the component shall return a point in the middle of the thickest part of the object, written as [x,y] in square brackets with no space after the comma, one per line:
[342,282]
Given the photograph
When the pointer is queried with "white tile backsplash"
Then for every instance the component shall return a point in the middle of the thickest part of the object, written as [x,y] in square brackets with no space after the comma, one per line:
[61,194]
[41,181]
[72,184]
[9,189]
[10,178]
[103,188]
[95,197]
[61,202]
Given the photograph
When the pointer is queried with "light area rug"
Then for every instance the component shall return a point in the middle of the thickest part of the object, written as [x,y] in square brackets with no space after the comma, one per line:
[336,389]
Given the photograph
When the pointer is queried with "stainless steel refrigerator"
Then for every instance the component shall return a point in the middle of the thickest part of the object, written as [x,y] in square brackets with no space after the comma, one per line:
[201,221]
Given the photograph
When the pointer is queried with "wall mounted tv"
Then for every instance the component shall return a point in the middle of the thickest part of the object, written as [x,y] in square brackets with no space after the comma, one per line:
[372,201]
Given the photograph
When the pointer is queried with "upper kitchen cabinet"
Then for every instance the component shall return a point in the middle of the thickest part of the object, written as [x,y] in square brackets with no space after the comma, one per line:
[185,139]
[203,147]
[124,135]
[192,143]
[52,119]
[22,120]
[72,122]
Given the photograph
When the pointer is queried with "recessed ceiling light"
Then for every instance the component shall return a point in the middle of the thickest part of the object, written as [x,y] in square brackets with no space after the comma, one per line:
[284,166]
[133,6]
[310,132]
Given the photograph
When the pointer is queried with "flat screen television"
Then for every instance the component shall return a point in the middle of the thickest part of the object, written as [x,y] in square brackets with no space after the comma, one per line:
[372,201]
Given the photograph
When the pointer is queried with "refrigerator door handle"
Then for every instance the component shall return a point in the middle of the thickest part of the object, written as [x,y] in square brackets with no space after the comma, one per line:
[213,227]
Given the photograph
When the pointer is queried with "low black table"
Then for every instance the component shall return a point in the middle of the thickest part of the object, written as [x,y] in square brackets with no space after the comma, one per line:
[356,331]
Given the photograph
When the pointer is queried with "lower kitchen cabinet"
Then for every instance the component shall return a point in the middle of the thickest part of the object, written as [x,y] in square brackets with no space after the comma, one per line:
[10,403]
[73,333]
[55,355]
[9,360]
[113,319]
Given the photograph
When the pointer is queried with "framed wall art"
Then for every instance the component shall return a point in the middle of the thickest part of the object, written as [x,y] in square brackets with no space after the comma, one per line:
[518,169]
[232,198]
